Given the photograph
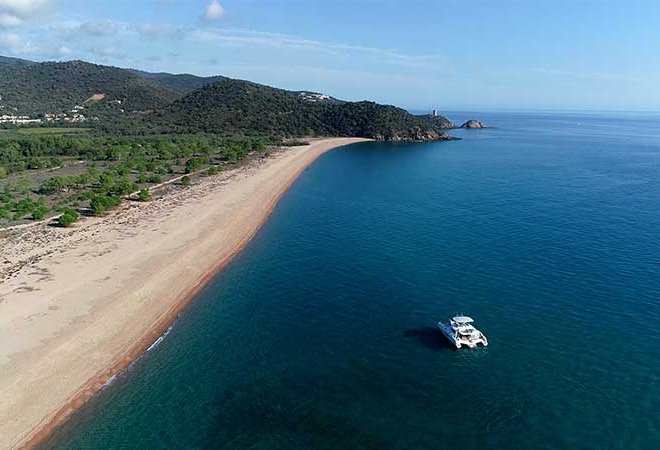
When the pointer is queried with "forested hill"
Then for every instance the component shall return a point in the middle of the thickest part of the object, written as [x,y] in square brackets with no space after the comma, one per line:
[58,87]
[181,83]
[128,101]
[249,107]
[14,62]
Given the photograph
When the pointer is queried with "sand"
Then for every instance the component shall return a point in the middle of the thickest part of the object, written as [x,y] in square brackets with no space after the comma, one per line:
[78,305]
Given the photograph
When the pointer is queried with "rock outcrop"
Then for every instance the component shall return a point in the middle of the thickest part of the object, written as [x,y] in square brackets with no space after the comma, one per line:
[473,125]
[415,135]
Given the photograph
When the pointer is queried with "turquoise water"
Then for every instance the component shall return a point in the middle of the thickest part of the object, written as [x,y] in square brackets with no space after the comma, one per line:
[545,228]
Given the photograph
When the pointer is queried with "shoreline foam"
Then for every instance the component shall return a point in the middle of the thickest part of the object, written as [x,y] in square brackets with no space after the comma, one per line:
[77,330]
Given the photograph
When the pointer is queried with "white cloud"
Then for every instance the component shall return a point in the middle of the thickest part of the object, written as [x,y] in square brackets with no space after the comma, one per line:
[100,28]
[158,31]
[64,51]
[107,53]
[23,8]
[15,44]
[14,13]
[9,20]
[245,38]
[213,12]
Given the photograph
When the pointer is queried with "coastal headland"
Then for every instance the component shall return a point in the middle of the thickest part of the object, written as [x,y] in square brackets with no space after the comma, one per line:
[78,305]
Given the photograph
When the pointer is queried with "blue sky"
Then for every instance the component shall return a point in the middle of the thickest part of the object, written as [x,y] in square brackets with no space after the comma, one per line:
[445,54]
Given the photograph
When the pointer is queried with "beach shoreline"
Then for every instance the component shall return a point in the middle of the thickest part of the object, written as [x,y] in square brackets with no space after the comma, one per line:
[59,346]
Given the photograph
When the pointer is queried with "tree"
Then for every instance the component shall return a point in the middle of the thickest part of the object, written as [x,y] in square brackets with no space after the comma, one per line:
[69,217]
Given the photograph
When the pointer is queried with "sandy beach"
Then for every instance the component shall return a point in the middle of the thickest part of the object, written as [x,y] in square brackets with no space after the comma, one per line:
[78,305]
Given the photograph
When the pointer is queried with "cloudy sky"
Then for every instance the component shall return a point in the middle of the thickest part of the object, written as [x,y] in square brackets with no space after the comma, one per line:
[421,54]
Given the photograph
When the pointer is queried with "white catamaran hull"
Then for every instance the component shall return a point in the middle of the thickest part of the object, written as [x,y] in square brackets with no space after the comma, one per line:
[459,341]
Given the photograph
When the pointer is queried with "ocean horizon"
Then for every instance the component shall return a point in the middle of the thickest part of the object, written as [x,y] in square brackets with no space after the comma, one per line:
[322,332]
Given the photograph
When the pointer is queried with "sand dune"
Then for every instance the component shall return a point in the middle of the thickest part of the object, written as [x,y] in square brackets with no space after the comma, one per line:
[77,305]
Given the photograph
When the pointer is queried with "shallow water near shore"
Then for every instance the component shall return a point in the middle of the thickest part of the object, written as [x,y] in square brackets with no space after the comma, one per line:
[321,334]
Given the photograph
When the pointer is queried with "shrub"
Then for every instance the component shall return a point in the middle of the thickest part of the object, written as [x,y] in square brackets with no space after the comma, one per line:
[294,143]
[192,165]
[23,186]
[69,217]
[152,179]
[186,181]
[100,204]
[144,195]
[53,185]
[214,170]
[107,179]
[3,172]
[39,212]
[123,187]
[23,207]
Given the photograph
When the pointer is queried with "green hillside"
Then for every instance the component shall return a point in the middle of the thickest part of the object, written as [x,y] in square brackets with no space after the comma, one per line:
[134,102]
[56,87]
[181,83]
[14,62]
[246,107]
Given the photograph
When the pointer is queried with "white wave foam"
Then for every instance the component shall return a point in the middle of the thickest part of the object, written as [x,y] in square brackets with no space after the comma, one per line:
[159,340]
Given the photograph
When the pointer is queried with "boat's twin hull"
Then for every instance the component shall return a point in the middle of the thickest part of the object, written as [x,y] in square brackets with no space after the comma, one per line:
[459,342]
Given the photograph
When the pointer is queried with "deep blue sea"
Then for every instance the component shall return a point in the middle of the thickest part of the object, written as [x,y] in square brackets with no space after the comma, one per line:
[321,334]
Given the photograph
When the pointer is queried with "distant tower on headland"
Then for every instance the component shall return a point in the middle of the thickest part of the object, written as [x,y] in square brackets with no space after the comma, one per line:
[435,113]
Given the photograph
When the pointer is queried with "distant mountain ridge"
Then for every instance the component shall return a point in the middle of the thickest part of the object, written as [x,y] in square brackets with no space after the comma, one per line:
[14,62]
[130,101]
[54,87]
[182,83]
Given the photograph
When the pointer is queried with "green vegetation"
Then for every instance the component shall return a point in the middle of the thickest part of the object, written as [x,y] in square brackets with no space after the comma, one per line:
[294,143]
[193,164]
[143,129]
[181,83]
[133,103]
[58,87]
[100,204]
[78,170]
[243,107]
[213,170]
[68,218]
[15,210]
[144,195]
[39,212]
[14,62]
[55,131]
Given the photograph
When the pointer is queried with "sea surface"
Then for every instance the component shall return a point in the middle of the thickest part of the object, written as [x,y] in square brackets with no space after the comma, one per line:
[322,334]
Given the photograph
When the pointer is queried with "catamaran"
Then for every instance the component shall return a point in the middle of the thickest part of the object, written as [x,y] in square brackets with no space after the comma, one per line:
[460,332]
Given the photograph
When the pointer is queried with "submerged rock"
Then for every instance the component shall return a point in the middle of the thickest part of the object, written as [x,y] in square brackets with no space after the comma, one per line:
[473,124]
